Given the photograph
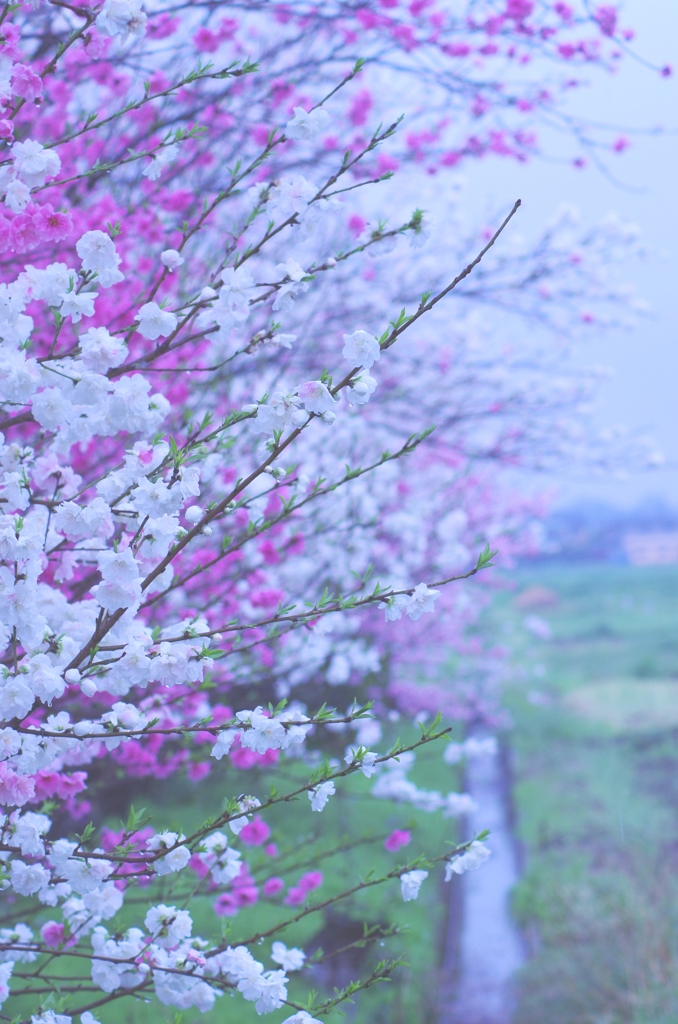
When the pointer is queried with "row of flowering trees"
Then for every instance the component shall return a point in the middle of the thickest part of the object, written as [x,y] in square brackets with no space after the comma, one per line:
[226,337]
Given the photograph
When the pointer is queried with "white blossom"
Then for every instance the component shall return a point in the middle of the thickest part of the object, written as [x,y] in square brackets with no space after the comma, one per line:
[177,857]
[246,803]
[161,159]
[366,762]
[293,283]
[319,795]
[19,376]
[267,990]
[281,412]
[422,600]
[20,935]
[292,195]
[122,18]
[104,902]
[28,879]
[283,340]
[307,125]
[475,857]
[110,976]
[265,733]
[17,196]
[237,963]
[121,581]
[167,925]
[5,974]
[77,304]
[101,350]
[315,397]
[363,387]
[171,259]
[301,1017]
[155,322]
[26,831]
[51,283]
[410,884]
[456,804]
[224,743]
[16,699]
[33,163]
[156,499]
[361,349]
[393,607]
[289,959]
[98,255]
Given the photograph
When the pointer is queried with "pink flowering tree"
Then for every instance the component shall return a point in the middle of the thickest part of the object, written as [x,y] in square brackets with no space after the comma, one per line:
[221,364]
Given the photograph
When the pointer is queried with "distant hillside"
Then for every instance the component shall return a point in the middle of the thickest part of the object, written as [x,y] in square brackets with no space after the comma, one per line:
[591,531]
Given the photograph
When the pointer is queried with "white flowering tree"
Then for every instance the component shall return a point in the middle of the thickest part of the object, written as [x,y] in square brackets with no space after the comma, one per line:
[219,487]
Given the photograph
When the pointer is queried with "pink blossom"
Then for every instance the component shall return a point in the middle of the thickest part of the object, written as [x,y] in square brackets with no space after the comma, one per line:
[398,838]
[197,771]
[356,225]
[245,895]
[606,16]
[295,896]
[272,886]
[24,233]
[564,11]
[51,225]
[311,880]
[15,790]
[226,905]
[50,784]
[52,934]
[198,865]
[5,233]
[241,757]
[360,107]
[457,49]
[206,41]
[519,9]
[26,83]
[162,26]
[9,41]
[255,832]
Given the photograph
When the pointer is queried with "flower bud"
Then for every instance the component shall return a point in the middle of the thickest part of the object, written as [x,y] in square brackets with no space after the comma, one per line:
[171,258]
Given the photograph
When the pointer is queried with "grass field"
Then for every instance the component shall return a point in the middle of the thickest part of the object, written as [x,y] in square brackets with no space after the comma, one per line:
[595,712]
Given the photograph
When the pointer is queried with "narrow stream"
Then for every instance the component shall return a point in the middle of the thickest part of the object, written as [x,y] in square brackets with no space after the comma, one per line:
[481,957]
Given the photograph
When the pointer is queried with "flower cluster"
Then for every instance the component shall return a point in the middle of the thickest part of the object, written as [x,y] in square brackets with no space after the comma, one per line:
[209,506]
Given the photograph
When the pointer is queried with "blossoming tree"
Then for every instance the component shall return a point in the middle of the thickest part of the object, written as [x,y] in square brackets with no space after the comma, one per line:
[217,458]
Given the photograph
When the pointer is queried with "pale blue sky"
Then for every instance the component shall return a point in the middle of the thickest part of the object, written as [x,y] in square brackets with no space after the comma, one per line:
[642,394]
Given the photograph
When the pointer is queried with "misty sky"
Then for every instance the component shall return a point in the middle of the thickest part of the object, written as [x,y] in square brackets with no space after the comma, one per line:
[642,392]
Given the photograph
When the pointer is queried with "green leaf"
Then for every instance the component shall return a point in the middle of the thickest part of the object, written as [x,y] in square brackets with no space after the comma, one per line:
[485,558]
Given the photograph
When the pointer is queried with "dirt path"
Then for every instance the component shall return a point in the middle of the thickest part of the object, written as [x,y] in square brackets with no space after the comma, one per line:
[483,955]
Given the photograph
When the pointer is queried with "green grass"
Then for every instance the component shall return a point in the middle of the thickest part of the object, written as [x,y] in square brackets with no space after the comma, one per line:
[595,724]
